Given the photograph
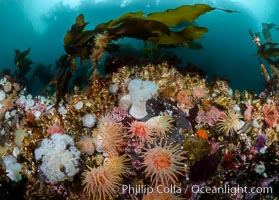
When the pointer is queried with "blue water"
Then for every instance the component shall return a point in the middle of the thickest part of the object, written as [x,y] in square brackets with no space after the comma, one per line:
[228,49]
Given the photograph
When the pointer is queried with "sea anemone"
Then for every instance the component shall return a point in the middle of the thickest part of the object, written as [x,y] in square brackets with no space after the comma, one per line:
[125,102]
[110,133]
[29,102]
[89,120]
[113,88]
[7,86]
[100,183]
[160,125]
[58,153]
[62,110]
[163,164]
[120,164]
[140,91]
[79,105]
[20,134]
[141,130]
[3,80]
[230,123]
[86,145]
[271,115]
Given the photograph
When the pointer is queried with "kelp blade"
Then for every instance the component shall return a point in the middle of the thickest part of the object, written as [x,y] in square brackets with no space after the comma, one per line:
[185,13]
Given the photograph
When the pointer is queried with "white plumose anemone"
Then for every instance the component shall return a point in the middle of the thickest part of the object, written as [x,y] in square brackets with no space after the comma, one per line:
[79,105]
[140,91]
[89,120]
[56,153]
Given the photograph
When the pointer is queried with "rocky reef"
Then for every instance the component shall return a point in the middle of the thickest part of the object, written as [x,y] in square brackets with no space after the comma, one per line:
[195,134]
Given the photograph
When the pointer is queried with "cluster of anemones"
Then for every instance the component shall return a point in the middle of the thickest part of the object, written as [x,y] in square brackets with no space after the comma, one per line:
[155,126]
[36,105]
[103,182]
[8,93]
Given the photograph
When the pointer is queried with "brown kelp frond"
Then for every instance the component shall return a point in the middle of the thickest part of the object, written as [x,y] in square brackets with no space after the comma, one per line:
[139,28]
[76,29]
[185,13]
[228,11]
[77,40]
[190,33]
[113,22]
[155,26]
[22,62]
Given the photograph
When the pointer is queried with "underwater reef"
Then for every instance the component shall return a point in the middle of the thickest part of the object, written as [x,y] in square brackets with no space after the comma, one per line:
[142,130]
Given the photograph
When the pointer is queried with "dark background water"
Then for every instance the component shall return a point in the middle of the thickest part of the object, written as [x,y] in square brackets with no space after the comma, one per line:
[228,49]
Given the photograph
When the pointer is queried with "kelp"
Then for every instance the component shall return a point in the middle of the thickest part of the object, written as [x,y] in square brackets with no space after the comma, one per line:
[192,45]
[139,29]
[111,23]
[185,13]
[21,62]
[269,52]
[19,56]
[272,51]
[62,77]
[189,34]
[154,28]
[76,30]
[76,40]
[150,27]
